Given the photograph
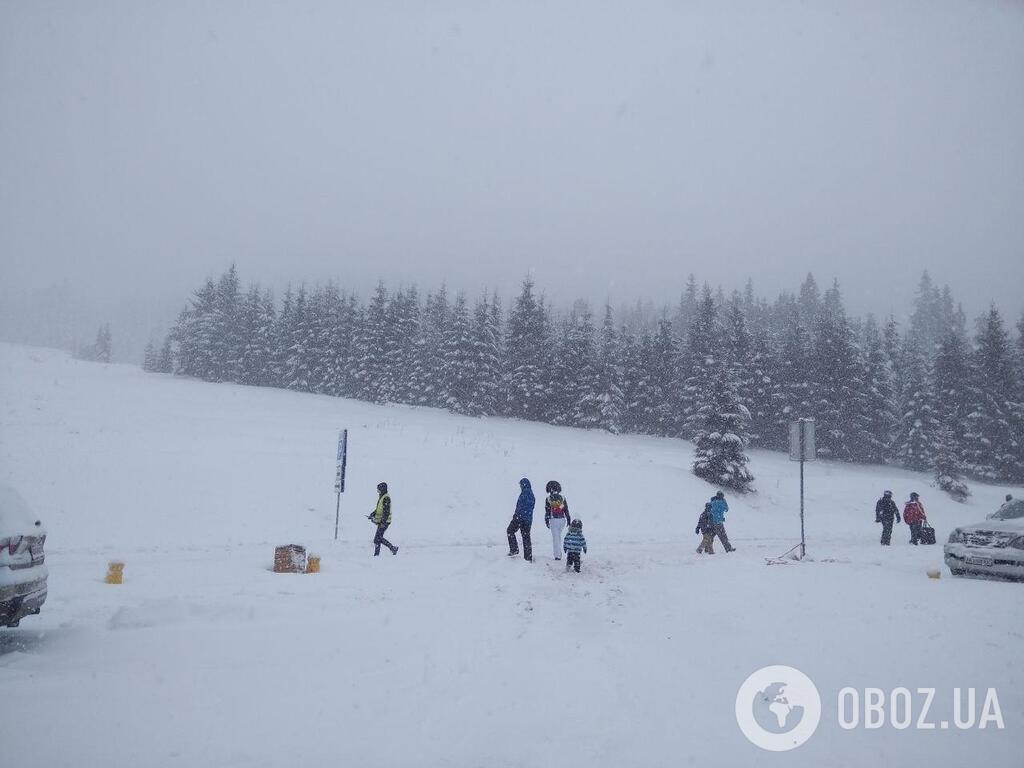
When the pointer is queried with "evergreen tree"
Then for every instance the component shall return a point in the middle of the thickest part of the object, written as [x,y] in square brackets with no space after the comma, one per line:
[577,369]
[993,448]
[918,428]
[948,468]
[372,374]
[165,360]
[609,386]
[763,393]
[456,360]
[703,357]
[149,358]
[102,349]
[225,334]
[525,395]
[951,374]
[835,373]
[795,394]
[877,399]
[722,435]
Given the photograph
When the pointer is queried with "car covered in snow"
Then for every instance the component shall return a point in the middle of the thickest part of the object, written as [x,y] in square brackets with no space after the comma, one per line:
[992,548]
[22,570]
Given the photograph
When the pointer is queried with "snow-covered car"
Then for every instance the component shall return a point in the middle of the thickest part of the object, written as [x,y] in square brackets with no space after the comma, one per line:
[1013,509]
[994,547]
[22,570]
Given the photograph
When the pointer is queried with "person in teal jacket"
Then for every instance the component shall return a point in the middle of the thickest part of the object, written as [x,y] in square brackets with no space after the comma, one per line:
[719,506]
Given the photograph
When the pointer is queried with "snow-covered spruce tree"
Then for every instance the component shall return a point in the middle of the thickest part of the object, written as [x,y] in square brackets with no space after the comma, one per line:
[486,359]
[165,360]
[948,468]
[609,376]
[343,347]
[738,350]
[703,352]
[580,358]
[298,360]
[993,449]
[525,396]
[809,304]
[722,434]
[764,428]
[877,400]
[643,395]
[1020,357]
[225,332]
[951,374]
[456,363]
[794,391]
[836,382]
[664,367]
[687,308]
[372,373]
[149,358]
[425,376]
[918,426]
[407,327]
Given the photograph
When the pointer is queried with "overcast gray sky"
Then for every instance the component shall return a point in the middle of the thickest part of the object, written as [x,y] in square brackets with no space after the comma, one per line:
[612,148]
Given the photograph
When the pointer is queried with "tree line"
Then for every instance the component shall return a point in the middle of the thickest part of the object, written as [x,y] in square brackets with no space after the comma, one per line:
[725,372]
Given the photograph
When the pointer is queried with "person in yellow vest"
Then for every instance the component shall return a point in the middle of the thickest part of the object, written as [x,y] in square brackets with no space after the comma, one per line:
[382,517]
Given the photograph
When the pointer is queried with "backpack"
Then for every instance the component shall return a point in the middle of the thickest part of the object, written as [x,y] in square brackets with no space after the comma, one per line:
[556,504]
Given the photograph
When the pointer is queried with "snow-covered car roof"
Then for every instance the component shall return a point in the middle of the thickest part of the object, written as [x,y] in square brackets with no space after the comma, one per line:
[16,518]
[1010,510]
[1007,526]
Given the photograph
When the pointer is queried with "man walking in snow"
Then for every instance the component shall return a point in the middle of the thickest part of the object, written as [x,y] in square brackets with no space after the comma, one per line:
[382,517]
[885,512]
[914,516]
[556,515]
[719,507]
[522,519]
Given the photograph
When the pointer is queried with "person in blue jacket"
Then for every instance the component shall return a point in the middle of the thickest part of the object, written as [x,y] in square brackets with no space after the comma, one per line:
[522,519]
[719,507]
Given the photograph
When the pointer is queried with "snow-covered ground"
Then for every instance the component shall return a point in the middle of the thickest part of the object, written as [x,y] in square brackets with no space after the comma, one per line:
[452,654]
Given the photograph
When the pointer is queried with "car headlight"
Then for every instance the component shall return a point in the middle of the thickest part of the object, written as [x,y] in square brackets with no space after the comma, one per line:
[1017,543]
[956,537]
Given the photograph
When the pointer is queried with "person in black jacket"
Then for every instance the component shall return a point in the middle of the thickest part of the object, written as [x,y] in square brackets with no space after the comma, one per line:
[706,527]
[885,512]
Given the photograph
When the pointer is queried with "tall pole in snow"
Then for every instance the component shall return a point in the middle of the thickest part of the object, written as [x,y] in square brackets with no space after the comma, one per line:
[802,448]
[803,545]
[339,476]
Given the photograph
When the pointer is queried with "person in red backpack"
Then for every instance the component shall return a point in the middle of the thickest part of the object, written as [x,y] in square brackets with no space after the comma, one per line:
[914,516]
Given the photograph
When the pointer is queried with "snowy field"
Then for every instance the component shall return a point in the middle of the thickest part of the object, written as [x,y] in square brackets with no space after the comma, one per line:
[452,654]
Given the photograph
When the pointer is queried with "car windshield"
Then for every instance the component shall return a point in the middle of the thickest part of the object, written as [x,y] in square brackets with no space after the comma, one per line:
[1011,510]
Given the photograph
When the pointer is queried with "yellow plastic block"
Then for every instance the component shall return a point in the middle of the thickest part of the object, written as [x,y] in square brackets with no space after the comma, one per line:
[313,564]
[115,573]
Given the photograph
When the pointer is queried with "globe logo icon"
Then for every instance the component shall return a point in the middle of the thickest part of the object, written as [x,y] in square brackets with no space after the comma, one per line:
[778,708]
[773,710]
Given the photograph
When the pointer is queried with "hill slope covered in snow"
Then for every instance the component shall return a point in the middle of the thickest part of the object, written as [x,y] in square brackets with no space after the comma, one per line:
[451,653]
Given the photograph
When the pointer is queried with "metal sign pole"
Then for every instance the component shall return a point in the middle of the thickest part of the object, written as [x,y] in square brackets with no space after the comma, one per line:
[339,476]
[803,545]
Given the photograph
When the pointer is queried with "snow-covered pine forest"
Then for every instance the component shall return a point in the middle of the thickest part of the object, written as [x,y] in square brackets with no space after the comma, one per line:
[936,395]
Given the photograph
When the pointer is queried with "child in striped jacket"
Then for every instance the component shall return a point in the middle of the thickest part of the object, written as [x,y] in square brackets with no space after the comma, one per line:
[573,544]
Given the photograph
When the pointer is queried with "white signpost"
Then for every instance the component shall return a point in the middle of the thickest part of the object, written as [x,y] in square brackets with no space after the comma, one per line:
[801,448]
[339,476]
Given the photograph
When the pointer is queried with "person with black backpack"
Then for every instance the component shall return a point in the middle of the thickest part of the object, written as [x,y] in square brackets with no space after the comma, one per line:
[556,515]
[886,512]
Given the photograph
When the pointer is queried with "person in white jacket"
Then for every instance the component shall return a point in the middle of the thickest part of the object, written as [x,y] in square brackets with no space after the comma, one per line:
[556,515]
